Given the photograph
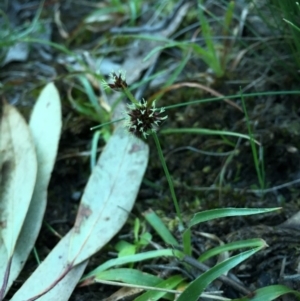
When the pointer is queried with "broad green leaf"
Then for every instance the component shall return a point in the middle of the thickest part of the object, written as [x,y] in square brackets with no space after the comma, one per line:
[18,167]
[45,125]
[207,215]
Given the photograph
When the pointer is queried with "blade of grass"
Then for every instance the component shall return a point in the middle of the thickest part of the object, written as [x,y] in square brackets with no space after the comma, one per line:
[130,276]
[198,101]
[207,215]
[169,179]
[187,242]
[259,167]
[195,288]
[92,97]
[202,131]
[167,284]
[292,24]
[133,258]
[227,44]
[249,243]
[269,293]
[156,223]
[212,58]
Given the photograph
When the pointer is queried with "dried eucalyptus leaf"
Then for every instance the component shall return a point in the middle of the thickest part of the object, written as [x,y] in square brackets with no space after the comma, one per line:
[18,175]
[107,200]
[18,170]
[45,125]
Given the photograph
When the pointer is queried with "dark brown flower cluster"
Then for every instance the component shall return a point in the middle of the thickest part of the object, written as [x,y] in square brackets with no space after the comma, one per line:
[142,120]
[119,82]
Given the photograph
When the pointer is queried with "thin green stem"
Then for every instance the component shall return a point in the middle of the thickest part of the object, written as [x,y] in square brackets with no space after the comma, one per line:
[36,255]
[258,164]
[105,123]
[169,179]
[130,96]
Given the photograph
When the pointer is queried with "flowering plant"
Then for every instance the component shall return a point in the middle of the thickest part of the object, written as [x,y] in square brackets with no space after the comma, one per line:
[142,117]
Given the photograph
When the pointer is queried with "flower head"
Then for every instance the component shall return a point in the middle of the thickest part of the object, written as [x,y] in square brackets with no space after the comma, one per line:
[118,81]
[143,119]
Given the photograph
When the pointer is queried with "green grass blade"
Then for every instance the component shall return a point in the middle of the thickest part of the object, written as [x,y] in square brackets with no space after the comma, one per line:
[156,223]
[214,61]
[92,96]
[130,276]
[195,288]
[206,30]
[169,283]
[169,179]
[205,216]
[269,293]
[187,242]
[258,164]
[258,94]
[249,243]
[133,258]
[228,16]
[96,127]
[202,131]
[292,24]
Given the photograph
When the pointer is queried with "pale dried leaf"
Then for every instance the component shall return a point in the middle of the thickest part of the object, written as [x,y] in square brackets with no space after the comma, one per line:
[109,195]
[53,271]
[108,198]
[292,222]
[45,124]
[18,174]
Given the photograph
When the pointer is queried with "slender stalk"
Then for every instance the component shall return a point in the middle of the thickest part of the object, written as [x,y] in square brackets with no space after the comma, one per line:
[120,83]
[36,255]
[258,164]
[130,96]
[169,179]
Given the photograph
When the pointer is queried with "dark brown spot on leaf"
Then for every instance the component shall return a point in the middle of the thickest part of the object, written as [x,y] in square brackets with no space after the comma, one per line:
[83,213]
[134,148]
[3,224]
